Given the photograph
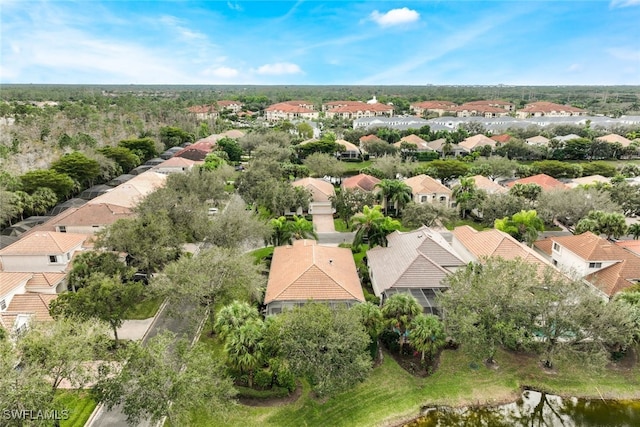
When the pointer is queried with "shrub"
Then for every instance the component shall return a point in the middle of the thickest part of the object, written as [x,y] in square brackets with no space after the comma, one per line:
[263,379]
[390,340]
[285,378]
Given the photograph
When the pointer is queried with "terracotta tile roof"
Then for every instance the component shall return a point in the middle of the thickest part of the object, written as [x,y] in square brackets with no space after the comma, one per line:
[476,141]
[32,303]
[491,187]
[45,280]
[586,180]
[613,138]
[481,108]
[537,140]
[623,274]
[227,103]
[347,145]
[292,107]
[433,105]
[504,138]
[630,245]
[361,181]
[496,243]
[307,270]
[46,243]
[424,184]
[333,104]
[414,139]
[370,138]
[549,107]
[178,162]
[94,214]
[320,189]
[10,281]
[416,259]
[545,181]
[490,102]
[362,107]
[132,191]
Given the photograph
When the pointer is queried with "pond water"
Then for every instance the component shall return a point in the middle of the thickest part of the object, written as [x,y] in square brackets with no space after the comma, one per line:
[537,409]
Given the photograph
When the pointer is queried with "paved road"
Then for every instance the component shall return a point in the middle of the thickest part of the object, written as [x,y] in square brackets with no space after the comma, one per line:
[164,322]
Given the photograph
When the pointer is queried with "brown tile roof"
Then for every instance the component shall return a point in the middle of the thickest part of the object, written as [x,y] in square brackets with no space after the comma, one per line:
[548,107]
[46,243]
[347,145]
[178,162]
[94,214]
[623,274]
[45,280]
[423,184]
[414,139]
[476,141]
[292,107]
[612,138]
[481,108]
[545,181]
[307,270]
[10,280]
[363,106]
[586,180]
[501,138]
[370,138]
[416,259]
[132,191]
[320,189]
[32,303]
[630,245]
[433,105]
[496,243]
[361,181]
[227,103]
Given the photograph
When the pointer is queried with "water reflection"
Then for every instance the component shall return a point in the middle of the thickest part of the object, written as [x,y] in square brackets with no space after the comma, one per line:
[536,409]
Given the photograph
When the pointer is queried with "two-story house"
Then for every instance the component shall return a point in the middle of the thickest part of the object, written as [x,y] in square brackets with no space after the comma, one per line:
[425,189]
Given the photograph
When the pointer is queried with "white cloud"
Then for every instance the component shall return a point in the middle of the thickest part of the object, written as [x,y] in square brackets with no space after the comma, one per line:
[279,68]
[395,17]
[625,54]
[234,6]
[624,3]
[222,72]
[575,67]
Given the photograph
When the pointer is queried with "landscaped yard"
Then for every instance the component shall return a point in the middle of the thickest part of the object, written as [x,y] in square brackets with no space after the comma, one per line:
[262,253]
[391,395]
[356,166]
[340,225]
[144,309]
[79,405]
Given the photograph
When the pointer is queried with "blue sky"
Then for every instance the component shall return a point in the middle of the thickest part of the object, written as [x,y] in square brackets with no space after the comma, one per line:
[320,42]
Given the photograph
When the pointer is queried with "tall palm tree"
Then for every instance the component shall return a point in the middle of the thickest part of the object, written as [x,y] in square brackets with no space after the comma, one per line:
[300,228]
[372,224]
[427,335]
[232,316]
[634,230]
[282,233]
[244,348]
[464,194]
[393,191]
[399,311]
[371,317]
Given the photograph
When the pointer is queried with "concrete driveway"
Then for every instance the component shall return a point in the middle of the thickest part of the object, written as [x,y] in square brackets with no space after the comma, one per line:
[323,223]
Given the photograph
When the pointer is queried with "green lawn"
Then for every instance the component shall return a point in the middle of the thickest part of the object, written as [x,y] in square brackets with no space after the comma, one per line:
[391,395]
[358,256]
[469,222]
[79,405]
[144,309]
[340,225]
[262,253]
[356,166]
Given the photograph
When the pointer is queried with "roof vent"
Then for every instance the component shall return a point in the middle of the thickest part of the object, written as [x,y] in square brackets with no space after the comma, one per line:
[330,262]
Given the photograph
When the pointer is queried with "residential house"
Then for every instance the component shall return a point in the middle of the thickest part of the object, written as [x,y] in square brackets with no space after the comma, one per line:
[613,138]
[441,146]
[43,252]
[176,165]
[476,142]
[321,191]
[490,187]
[502,138]
[306,271]
[394,122]
[538,140]
[630,245]
[197,151]
[11,284]
[588,180]
[362,182]
[566,138]
[547,182]
[425,189]
[351,151]
[607,266]
[414,262]
[133,191]
[434,107]
[24,308]
[204,112]
[421,144]
[231,106]
[549,109]
[89,219]
[291,110]
[482,109]
[355,109]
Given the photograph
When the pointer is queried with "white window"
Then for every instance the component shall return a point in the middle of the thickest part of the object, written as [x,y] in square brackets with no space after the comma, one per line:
[62,229]
[423,199]
[595,265]
[556,247]
[53,259]
[3,304]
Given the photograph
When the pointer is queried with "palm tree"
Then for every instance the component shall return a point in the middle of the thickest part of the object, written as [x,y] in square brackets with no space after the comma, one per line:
[300,228]
[371,317]
[399,311]
[233,316]
[465,194]
[394,191]
[372,224]
[244,348]
[634,230]
[282,233]
[427,335]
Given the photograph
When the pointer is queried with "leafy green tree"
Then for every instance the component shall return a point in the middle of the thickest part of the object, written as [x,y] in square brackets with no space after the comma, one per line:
[213,162]
[8,206]
[372,225]
[523,226]
[446,170]
[321,164]
[371,317]
[395,192]
[78,167]
[326,345]
[42,200]
[304,130]
[88,263]
[625,195]
[144,148]
[103,298]
[171,136]
[399,311]
[124,157]
[529,192]
[466,195]
[634,230]
[496,206]
[236,225]
[232,316]
[231,147]
[281,234]
[326,146]
[58,182]
[571,205]
[426,334]
[169,379]
[415,215]
[379,148]
[301,228]
[348,202]
[557,169]
[612,224]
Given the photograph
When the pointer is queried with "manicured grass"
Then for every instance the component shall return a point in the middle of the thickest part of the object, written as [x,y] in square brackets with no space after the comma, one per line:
[340,225]
[391,395]
[358,256]
[144,309]
[478,226]
[79,405]
[356,166]
[262,253]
